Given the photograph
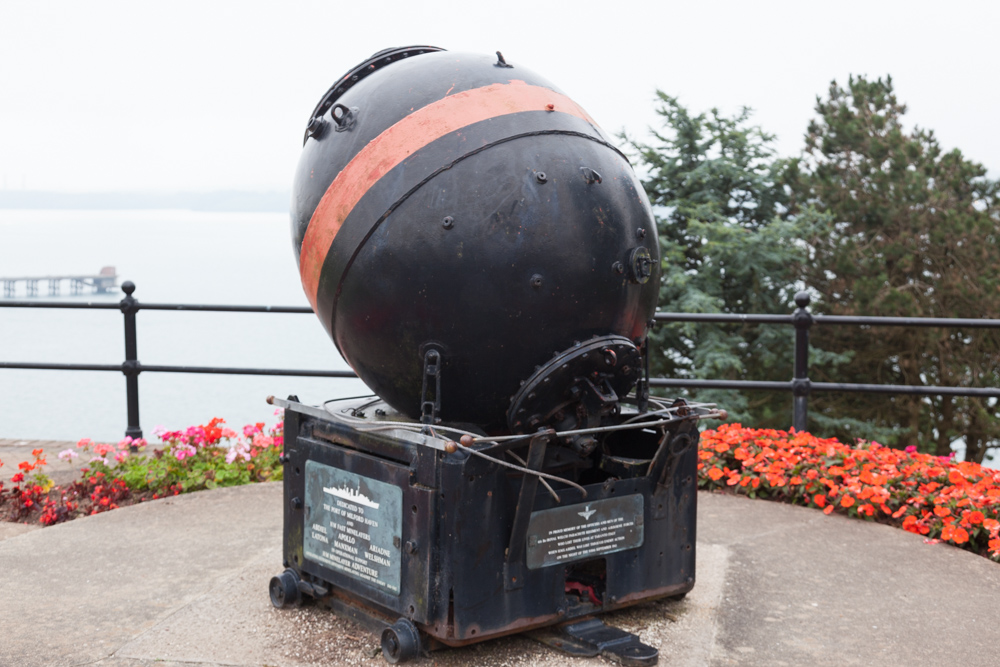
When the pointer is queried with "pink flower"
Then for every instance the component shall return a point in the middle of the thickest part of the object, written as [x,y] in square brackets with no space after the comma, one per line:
[184,451]
[228,433]
[240,450]
[912,449]
[126,443]
[121,456]
[68,455]
[103,449]
[84,443]
[263,441]
[159,430]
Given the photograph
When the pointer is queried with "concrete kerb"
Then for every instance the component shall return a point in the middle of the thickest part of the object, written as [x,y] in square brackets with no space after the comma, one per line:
[183,581]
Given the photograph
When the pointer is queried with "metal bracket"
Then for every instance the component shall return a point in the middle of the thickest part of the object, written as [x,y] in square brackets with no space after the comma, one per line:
[430,411]
[801,387]
[642,386]
[513,567]
[590,637]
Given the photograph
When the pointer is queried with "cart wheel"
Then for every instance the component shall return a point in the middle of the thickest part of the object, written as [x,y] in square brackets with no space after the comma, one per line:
[284,589]
[400,642]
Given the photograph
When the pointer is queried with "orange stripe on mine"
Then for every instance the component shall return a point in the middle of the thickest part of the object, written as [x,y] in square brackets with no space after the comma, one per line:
[401,140]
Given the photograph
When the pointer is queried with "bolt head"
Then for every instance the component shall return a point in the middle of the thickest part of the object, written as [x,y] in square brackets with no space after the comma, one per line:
[541,177]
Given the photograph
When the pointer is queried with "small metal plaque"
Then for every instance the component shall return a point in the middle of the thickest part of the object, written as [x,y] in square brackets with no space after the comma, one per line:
[578,532]
[353,525]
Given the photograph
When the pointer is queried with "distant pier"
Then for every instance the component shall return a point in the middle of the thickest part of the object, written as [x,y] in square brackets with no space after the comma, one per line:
[100,283]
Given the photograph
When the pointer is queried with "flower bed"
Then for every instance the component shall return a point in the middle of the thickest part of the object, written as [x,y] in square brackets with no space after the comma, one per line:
[958,503]
[200,457]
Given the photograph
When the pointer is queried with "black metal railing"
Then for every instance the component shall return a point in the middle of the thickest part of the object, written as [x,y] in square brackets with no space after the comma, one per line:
[131,367]
[800,385]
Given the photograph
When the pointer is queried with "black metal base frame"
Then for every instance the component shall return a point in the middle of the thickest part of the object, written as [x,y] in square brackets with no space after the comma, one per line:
[457,549]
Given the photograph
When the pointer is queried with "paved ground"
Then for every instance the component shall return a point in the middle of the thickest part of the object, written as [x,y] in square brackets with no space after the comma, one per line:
[182,581]
[13,451]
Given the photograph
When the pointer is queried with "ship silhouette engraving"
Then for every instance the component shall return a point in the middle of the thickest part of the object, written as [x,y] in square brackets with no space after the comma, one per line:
[352,495]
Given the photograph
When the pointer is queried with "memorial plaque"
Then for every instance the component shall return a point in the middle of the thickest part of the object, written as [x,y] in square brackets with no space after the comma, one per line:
[353,525]
[578,532]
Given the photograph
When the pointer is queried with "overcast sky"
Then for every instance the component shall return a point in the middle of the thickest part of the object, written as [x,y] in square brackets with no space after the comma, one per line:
[166,96]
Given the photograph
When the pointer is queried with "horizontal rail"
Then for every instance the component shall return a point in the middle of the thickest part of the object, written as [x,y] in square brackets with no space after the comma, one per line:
[721,384]
[723,317]
[96,305]
[159,368]
[60,367]
[114,305]
[223,308]
[919,390]
[736,318]
[965,323]
[246,371]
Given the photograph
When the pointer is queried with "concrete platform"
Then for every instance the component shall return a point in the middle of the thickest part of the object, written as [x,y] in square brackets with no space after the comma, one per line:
[183,581]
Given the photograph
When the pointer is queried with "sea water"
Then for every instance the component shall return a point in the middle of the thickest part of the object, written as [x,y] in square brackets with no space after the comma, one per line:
[172,257]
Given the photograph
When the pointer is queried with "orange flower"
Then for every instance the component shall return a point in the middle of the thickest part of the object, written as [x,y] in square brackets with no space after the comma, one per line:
[976,517]
[714,474]
[820,500]
[846,501]
[942,511]
[829,508]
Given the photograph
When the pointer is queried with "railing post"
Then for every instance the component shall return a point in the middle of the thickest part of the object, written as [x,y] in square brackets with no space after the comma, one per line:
[800,383]
[131,368]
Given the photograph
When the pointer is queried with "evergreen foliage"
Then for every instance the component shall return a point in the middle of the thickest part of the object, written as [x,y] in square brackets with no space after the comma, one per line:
[727,246]
[913,233]
[875,219]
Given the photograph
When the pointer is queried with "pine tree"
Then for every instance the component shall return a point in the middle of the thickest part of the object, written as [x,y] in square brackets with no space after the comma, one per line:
[913,233]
